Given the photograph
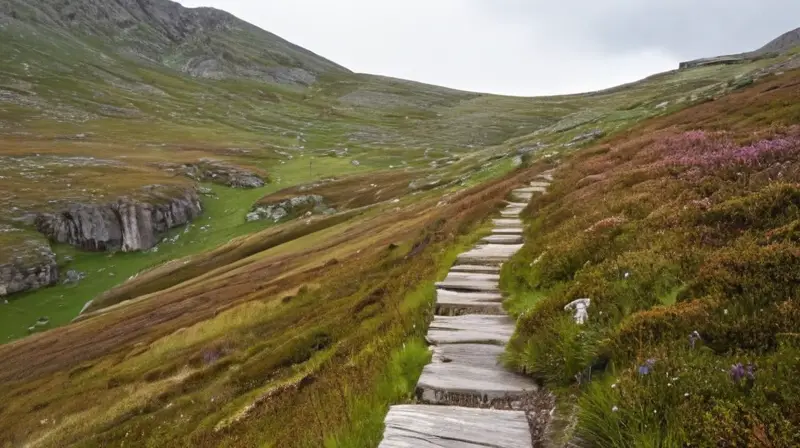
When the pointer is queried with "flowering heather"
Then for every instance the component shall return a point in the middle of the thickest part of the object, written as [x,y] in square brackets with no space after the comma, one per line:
[717,150]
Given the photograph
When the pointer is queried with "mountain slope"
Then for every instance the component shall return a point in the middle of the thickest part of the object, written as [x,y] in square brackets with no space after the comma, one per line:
[782,44]
[201,42]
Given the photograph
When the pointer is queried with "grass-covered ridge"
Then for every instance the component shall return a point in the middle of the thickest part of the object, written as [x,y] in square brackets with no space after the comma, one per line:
[684,233]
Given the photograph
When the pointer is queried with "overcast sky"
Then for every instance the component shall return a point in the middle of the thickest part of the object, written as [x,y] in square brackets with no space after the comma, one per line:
[518,47]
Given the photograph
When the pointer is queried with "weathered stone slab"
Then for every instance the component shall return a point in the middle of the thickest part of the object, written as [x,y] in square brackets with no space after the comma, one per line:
[445,295]
[483,276]
[420,426]
[489,253]
[454,303]
[517,204]
[471,375]
[475,268]
[503,239]
[531,190]
[507,231]
[471,328]
[547,175]
[511,213]
[522,196]
[466,284]
[540,184]
[507,222]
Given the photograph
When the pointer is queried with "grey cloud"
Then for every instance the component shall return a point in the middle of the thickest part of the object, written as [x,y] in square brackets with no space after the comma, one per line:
[520,47]
[684,28]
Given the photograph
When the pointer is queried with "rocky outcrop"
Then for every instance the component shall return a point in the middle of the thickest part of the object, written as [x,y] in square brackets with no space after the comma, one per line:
[31,265]
[312,203]
[127,224]
[207,170]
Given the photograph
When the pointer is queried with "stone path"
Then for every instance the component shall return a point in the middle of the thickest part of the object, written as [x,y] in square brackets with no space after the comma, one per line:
[466,397]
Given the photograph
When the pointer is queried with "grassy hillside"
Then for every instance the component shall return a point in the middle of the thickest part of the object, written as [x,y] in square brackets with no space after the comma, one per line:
[300,333]
[83,122]
[251,352]
[683,232]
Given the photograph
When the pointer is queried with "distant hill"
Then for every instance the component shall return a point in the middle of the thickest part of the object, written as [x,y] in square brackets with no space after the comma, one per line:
[780,45]
[202,42]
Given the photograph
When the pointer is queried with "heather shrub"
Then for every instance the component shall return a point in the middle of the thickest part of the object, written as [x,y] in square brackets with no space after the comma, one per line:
[684,235]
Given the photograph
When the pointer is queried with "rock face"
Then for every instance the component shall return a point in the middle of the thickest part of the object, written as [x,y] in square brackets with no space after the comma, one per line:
[290,207]
[34,267]
[127,224]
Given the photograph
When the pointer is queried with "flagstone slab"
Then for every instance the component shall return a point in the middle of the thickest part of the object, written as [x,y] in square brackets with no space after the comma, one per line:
[507,223]
[475,268]
[470,328]
[455,303]
[426,426]
[471,375]
[507,231]
[503,239]
[489,253]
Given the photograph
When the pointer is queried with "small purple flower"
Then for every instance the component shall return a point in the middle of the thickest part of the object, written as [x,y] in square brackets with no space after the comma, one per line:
[739,372]
[645,369]
[750,372]
[694,337]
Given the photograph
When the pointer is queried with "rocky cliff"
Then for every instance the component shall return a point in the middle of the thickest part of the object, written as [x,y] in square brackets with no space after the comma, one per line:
[28,265]
[128,224]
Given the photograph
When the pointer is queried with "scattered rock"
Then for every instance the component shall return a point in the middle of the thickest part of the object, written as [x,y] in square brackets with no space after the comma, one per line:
[591,135]
[73,277]
[31,265]
[530,149]
[209,170]
[306,204]
[355,163]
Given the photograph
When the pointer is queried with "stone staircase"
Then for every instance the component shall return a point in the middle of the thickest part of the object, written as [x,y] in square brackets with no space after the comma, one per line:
[466,397]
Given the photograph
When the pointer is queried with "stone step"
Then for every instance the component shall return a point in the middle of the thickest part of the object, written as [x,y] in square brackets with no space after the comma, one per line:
[547,175]
[471,375]
[507,223]
[482,276]
[522,196]
[531,190]
[489,253]
[507,231]
[454,303]
[503,239]
[455,296]
[512,213]
[423,426]
[465,284]
[470,328]
[475,268]
[541,184]
[517,204]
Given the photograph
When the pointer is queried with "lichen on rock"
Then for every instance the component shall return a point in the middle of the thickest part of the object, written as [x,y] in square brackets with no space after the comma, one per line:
[27,264]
